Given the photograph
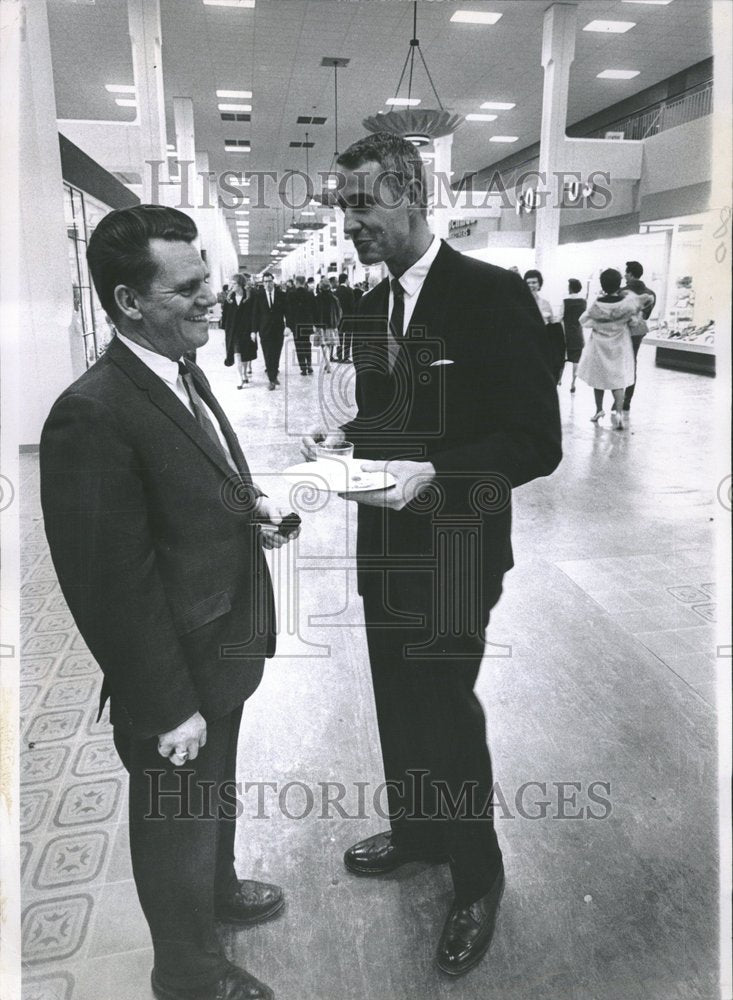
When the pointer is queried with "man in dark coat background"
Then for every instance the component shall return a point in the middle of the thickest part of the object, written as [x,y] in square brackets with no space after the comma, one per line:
[456,400]
[156,532]
[268,319]
[347,300]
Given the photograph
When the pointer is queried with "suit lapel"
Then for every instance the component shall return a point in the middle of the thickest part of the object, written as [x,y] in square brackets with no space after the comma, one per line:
[230,436]
[432,301]
[166,401]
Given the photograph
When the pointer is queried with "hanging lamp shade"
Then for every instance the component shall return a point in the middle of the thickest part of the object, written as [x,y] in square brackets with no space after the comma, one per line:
[417,126]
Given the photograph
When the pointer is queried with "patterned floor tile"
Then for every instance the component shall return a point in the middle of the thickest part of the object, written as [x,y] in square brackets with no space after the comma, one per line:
[78,665]
[59,986]
[38,588]
[96,758]
[33,808]
[76,691]
[27,696]
[71,859]
[88,802]
[78,643]
[33,605]
[43,764]
[54,726]
[57,603]
[55,929]
[42,645]
[35,670]
[26,849]
[706,611]
[688,595]
[57,621]
[99,727]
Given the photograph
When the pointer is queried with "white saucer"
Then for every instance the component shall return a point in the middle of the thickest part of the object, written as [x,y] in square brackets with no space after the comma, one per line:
[340,475]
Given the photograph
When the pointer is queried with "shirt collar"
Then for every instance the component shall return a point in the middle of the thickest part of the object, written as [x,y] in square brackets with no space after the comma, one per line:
[414,276]
[163,367]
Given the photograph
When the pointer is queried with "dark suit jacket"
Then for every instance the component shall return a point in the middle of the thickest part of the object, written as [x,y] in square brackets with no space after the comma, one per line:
[238,327]
[347,301]
[488,421]
[266,321]
[301,311]
[154,546]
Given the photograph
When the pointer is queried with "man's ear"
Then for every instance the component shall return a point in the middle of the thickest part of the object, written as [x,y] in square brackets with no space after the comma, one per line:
[414,190]
[126,299]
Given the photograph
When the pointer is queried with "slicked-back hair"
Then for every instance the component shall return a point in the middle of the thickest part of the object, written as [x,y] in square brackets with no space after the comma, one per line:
[119,248]
[397,157]
[634,268]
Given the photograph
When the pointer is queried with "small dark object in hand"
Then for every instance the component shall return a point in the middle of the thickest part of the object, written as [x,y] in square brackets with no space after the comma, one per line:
[289,524]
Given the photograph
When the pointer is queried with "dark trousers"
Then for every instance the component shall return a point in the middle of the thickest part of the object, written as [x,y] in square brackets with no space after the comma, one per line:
[182,848]
[272,345]
[433,739]
[345,338]
[303,349]
[629,394]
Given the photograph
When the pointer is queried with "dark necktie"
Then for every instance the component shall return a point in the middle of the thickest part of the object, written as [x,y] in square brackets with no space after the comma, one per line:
[201,413]
[269,300]
[396,323]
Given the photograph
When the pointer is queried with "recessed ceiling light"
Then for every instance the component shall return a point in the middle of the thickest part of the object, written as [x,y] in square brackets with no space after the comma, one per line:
[610,27]
[481,118]
[170,147]
[308,214]
[126,102]
[403,102]
[245,95]
[229,3]
[497,106]
[242,211]
[119,88]
[234,107]
[475,17]
[654,3]
[503,138]
[237,149]
[618,74]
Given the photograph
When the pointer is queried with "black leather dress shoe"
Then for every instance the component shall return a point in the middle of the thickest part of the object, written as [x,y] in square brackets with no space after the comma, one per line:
[236,984]
[250,903]
[468,931]
[377,855]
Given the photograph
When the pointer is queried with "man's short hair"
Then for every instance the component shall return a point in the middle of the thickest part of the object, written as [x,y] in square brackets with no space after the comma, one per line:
[299,279]
[119,248]
[397,157]
[269,274]
[610,280]
[634,268]
[343,278]
[574,285]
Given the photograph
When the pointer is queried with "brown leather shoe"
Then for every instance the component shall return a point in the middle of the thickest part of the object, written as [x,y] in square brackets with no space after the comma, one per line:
[468,931]
[236,984]
[377,855]
[250,903]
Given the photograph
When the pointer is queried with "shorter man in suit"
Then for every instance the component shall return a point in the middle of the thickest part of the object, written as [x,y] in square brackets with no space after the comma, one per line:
[345,294]
[268,319]
[156,532]
[633,273]
[301,317]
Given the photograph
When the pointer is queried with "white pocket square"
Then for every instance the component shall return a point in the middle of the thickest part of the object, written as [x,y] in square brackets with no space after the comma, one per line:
[441,361]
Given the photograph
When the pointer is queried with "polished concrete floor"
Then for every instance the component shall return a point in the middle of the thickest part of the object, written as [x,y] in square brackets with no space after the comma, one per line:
[599,686]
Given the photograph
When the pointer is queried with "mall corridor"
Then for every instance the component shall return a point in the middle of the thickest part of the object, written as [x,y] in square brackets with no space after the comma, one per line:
[599,690]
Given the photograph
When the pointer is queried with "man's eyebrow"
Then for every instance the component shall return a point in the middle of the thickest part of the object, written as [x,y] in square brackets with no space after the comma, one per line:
[360,200]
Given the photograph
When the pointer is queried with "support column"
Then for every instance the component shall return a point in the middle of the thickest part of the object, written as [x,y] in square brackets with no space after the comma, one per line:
[147,61]
[442,169]
[558,52]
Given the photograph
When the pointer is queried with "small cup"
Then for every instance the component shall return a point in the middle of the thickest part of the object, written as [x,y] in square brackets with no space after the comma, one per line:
[344,450]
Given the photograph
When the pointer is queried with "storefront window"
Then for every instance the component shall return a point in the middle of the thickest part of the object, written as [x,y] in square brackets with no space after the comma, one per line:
[82,213]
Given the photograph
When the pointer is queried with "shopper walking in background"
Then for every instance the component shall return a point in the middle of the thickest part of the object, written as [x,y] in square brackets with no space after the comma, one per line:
[347,301]
[573,307]
[268,320]
[301,314]
[639,329]
[327,319]
[555,333]
[240,341]
[607,361]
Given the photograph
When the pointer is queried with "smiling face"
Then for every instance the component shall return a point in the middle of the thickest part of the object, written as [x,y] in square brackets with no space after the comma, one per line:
[172,315]
[533,285]
[376,218]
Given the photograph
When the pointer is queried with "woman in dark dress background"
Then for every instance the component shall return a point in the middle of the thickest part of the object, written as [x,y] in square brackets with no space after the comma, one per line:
[573,308]
[241,345]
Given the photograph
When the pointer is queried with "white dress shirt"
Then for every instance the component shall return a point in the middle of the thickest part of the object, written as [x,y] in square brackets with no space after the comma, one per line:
[412,280]
[167,372]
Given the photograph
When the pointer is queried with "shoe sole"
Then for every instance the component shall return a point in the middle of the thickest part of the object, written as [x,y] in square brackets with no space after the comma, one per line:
[259,919]
[479,957]
[385,871]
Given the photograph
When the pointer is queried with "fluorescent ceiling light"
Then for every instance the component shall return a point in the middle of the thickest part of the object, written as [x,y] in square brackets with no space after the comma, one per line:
[654,3]
[292,231]
[610,27]
[170,147]
[503,138]
[242,211]
[119,88]
[308,214]
[126,102]
[238,149]
[229,3]
[618,74]
[403,102]
[234,107]
[481,118]
[497,106]
[245,95]
[475,17]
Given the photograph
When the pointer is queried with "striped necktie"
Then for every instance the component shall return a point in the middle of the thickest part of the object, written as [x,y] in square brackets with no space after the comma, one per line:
[201,413]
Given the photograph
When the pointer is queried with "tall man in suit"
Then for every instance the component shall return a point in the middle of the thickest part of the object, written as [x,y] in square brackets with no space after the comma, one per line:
[456,400]
[634,284]
[268,319]
[347,300]
[156,531]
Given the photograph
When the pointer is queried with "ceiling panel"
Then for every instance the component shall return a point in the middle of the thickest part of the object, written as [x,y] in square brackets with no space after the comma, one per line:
[276,49]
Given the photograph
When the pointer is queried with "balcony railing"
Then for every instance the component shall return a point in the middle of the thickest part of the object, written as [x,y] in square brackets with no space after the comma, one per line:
[663,116]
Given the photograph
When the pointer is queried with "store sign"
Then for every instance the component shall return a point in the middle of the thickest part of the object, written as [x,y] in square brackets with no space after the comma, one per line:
[527,201]
[460,228]
[575,189]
